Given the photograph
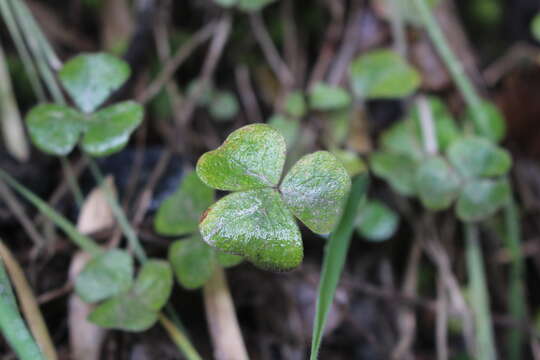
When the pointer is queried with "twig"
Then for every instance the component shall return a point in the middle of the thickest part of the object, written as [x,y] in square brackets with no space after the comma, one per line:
[428,127]
[222,321]
[175,62]
[247,95]
[280,69]
[18,210]
[441,321]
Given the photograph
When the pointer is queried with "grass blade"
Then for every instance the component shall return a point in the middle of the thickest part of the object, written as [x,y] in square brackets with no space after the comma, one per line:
[84,242]
[11,323]
[334,260]
[485,345]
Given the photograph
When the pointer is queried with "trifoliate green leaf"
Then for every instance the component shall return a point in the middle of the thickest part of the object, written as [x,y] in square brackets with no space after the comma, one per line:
[252,157]
[315,189]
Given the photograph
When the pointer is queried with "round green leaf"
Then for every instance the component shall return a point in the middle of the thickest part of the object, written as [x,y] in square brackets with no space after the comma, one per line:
[154,284]
[325,97]
[478,157]
[492,124]
[437,184]
[257,225]
[535,27]
[315,190]
[124,312]
[54,129]
[180,213]
[252,157]
[482,198]
[402,138]
[295,104]
[193,262]
[106,275]
[289,128]
[383,74]
[224,105]
[398,170]
[109,129]
[376,222]
[91,78]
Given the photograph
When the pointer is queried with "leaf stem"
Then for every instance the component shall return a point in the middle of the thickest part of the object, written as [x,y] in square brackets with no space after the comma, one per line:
[118,212]
[334,260]
[12,324]
[485,345]
[455,67]
[179,338]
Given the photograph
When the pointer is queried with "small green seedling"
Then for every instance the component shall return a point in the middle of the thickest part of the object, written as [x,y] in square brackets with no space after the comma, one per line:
[193,261]
[127,304]
[471,171]
[324,97]
[89,79]
[256,221]
[376,222]
[382,74]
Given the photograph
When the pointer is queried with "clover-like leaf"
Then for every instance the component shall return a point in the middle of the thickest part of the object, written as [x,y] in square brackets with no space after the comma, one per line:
[481,199]
[397,169]
[437,184]
[91,78]
[478,157]
[491,123]
[402,138]
[376,221]
[106,275]
[123,312]
[315,189]
[154,284]
[193,262]
[295,105]
[326,97]
[180,213]
[383,74]
[54,129]
[109,129]
[351,161]
[257,225]
[252,157]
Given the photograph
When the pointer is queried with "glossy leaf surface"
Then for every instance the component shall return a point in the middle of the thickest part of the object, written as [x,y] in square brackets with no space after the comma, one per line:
[257,225]
[315,189]
[252,157]
[109,129]
[54,129]
[91,78]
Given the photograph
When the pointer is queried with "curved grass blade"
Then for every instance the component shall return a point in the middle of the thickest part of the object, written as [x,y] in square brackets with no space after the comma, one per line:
[12,325]
[334,260]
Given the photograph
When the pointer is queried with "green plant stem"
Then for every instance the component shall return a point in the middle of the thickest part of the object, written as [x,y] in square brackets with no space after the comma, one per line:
[179,339]
[398,28]
[334,260]
[83,241]
[72,181]
[29,65]
[31,34]
[118,212]
[517,299]
[12,324]
[485,344]
[452,63]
